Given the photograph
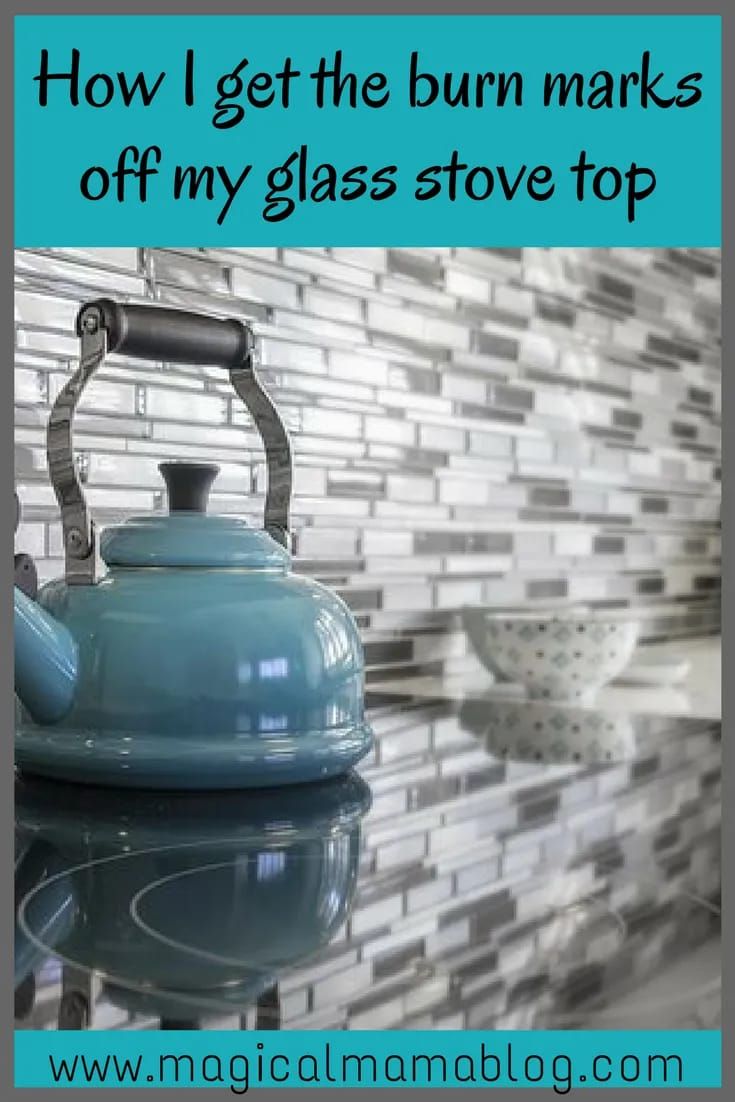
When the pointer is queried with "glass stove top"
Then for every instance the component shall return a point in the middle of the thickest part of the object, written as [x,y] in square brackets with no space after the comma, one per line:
[497,864]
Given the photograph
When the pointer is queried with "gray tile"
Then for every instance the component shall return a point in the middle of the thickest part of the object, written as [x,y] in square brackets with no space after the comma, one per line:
[426,268]
[516,397]
[488,344]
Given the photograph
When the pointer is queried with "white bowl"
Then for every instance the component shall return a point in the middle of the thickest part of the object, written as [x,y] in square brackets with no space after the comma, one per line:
[559,655]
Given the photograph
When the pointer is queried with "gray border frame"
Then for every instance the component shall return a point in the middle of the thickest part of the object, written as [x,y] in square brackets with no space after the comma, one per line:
[333,7]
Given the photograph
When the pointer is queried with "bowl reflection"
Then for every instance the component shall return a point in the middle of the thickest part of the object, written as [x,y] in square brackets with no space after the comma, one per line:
[532,730]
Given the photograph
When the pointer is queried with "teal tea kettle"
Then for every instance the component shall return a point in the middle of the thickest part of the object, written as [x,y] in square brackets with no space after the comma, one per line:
[198,660]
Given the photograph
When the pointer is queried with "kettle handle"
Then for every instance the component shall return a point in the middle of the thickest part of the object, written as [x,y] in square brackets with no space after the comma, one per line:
[176,336]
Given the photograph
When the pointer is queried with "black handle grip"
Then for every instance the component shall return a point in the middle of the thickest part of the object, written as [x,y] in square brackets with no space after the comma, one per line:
[160,333]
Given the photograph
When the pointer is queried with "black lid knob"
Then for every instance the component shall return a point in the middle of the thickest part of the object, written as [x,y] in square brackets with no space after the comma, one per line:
[188,485]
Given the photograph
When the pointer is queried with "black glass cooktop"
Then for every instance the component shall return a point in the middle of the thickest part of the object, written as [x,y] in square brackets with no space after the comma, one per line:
[496,864]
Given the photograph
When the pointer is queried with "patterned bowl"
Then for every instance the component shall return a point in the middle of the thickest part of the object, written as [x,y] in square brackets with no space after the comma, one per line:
[559,655]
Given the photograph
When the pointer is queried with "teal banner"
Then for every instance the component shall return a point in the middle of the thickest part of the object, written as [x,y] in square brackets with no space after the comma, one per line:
[367,130]
[241,1061]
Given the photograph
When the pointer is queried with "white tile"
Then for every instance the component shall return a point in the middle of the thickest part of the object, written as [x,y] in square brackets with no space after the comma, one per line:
[464,285]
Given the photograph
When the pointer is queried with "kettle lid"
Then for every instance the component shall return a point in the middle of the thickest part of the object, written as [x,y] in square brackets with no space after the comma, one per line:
[188,535]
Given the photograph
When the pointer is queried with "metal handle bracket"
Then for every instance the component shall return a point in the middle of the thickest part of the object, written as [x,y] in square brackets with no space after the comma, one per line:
[80,542]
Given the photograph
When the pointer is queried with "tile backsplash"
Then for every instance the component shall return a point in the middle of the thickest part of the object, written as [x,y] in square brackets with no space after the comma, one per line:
[495,426]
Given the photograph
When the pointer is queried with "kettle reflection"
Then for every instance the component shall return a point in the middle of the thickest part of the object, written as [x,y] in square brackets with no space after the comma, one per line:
[184,904]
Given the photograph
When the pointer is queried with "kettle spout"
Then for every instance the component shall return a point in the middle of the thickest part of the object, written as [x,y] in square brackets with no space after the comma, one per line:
[46,661]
